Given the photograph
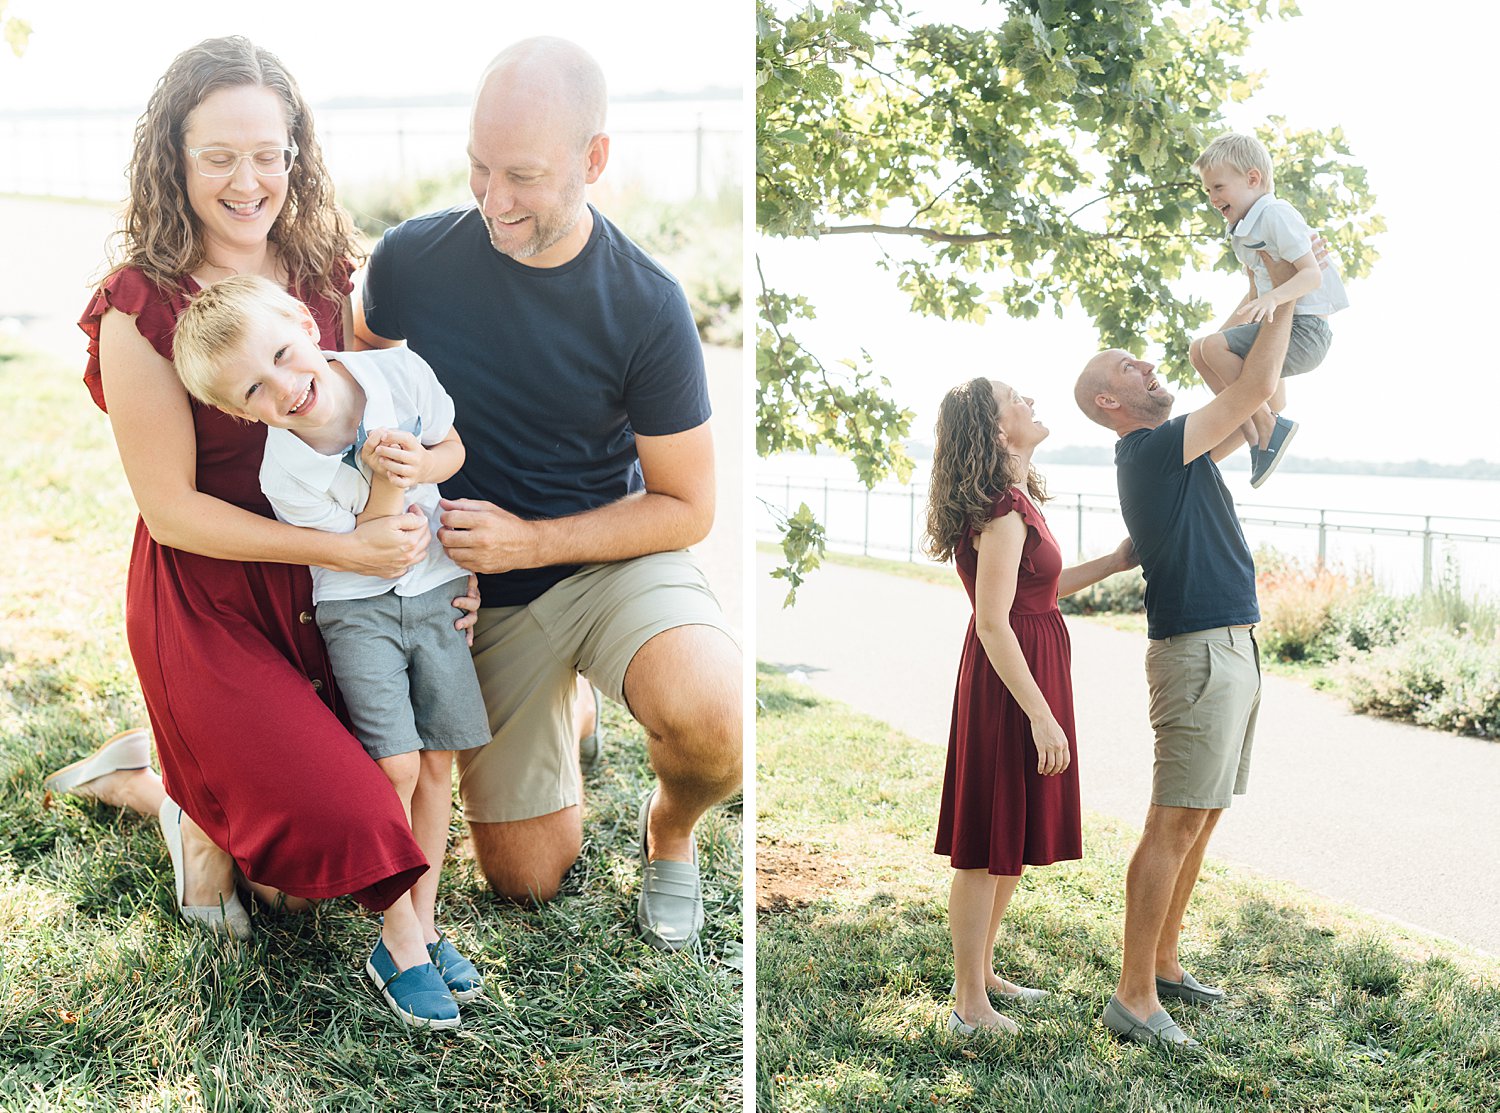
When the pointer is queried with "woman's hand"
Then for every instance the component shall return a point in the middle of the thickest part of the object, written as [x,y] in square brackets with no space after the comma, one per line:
[468,605]
[1052,755]
[386,547]
[1125,557]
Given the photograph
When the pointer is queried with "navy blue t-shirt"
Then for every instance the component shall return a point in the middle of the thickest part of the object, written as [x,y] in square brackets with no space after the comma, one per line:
[1198,568]
[553,371]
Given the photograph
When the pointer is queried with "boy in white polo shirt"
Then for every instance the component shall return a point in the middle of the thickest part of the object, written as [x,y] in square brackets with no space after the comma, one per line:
[1237,176]
[357,436]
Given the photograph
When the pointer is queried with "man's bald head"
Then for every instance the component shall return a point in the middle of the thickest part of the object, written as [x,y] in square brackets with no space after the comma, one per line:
[1092,382]
[547,77]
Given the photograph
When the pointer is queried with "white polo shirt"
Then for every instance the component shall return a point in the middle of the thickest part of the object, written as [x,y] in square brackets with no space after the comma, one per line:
[1274,226]
[307,488]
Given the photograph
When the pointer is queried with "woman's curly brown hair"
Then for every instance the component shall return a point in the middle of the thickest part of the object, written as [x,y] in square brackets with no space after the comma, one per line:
[159,231]
[971,467]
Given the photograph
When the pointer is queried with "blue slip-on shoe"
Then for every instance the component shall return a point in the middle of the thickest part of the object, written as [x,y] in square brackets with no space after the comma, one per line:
[588,748]
[669,912]
[1190,989]
[1271,456]
[458,973]
[417,994]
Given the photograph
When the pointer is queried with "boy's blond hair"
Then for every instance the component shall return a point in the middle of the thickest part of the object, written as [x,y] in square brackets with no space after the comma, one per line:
[1240,152]
[214,325]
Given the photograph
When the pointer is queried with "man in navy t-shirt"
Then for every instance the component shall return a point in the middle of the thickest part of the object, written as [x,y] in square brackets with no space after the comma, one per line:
[578,382]
[1202,665]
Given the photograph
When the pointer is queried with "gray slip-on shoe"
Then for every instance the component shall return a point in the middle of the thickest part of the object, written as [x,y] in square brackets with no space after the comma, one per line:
[1022,993]
[958,1026]
[669,912]
[588,747]
[1159,1028]
[1190,989]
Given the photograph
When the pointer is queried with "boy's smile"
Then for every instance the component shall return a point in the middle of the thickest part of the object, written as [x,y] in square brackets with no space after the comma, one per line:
[278,377]
[1232,193]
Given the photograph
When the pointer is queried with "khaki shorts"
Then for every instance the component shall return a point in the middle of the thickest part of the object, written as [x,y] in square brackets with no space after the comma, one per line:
[527,657]
[1205,694]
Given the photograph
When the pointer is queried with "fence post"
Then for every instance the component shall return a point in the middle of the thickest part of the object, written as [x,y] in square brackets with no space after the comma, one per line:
[698,161]
[911,523]
[867,522]
[1079,497]
[786,501]
[1426,554]
[825,504]
[1322,537]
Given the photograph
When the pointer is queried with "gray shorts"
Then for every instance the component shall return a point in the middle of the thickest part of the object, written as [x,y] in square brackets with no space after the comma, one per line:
[1205,696]
[404,672]
[1306,348]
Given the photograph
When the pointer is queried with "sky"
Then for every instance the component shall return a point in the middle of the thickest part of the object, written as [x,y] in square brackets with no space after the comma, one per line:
[109,54]
[1411,366]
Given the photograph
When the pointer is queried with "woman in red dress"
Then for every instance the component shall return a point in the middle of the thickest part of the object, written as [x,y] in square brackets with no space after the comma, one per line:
[259,770]
[1010,791]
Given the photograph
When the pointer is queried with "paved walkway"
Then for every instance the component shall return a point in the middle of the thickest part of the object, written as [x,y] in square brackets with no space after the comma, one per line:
[1395,819]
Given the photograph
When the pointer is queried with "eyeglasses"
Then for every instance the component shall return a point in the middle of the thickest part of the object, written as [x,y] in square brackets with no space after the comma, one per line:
[222,162]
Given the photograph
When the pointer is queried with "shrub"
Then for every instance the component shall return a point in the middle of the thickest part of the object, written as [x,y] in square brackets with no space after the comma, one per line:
[1367,617]
[1434,679]
[1297,605]
[1122,593]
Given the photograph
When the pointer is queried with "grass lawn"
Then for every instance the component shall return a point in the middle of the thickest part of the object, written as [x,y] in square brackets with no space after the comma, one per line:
[107,1001]
[1329,1009]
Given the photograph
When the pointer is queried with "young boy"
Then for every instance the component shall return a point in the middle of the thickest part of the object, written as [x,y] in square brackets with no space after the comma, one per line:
[353,437]
[1236,172]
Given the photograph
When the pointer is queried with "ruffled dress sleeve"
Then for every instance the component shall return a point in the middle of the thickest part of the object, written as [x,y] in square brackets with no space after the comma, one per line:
[1016,499]
[155,311]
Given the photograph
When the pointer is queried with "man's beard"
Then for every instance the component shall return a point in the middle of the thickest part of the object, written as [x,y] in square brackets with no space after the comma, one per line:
[547,227]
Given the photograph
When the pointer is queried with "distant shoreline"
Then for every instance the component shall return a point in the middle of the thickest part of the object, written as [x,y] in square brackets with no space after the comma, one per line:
[1101,456]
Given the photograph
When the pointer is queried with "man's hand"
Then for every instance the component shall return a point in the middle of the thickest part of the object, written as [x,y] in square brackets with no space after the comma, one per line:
[467,605]
[1280,270]
[481,537]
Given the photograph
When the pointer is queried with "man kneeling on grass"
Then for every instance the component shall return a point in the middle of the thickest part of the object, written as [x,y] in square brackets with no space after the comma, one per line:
[1202,665]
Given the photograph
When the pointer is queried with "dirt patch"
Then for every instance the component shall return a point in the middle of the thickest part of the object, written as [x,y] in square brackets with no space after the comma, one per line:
[791,877]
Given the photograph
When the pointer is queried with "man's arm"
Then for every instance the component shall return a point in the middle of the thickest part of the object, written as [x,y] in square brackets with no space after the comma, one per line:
[1207,428]
[364,338]
[675,510]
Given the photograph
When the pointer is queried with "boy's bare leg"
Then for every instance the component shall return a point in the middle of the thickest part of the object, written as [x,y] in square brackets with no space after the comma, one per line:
[1212,359]
[431,806]
[401,930]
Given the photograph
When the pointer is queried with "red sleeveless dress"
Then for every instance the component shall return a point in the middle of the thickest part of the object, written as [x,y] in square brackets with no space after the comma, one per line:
[237,684]
[998,813]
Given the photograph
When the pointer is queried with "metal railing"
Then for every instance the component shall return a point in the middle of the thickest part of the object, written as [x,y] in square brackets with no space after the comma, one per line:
[888,521]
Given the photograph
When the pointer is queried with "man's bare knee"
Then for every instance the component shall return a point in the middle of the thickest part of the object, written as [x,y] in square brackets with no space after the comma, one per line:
[525,861]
